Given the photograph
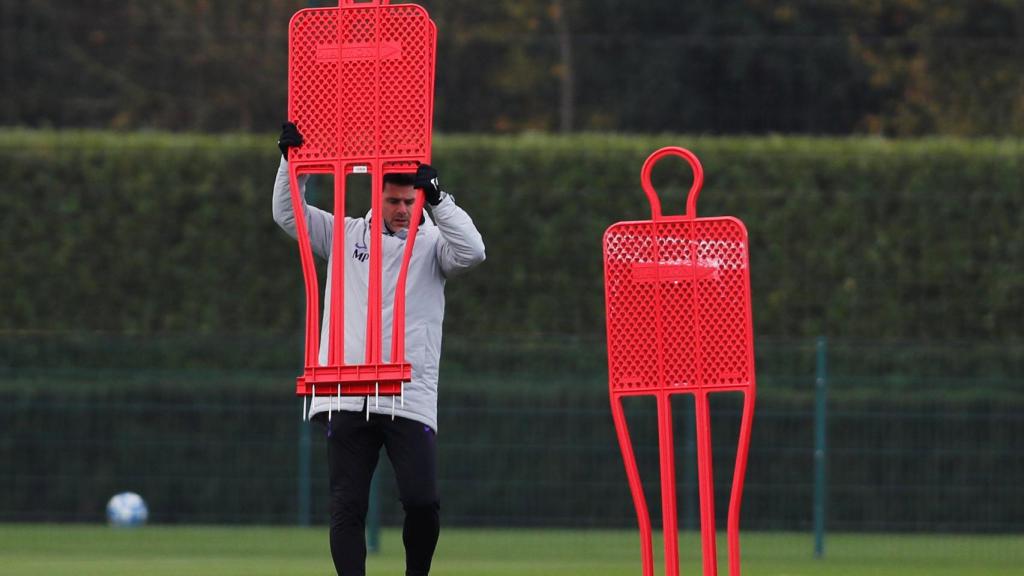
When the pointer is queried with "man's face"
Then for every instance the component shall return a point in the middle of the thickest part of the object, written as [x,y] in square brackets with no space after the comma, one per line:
[398,201]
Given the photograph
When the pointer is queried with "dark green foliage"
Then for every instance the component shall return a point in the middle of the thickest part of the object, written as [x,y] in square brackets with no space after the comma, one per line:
[864,239]
[141,233]
[900,67]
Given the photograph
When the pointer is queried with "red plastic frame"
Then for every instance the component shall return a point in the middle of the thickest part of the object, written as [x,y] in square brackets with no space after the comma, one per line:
[360,89]
[677,297]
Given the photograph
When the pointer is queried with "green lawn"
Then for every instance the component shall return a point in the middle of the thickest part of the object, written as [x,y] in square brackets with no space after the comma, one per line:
[41,550]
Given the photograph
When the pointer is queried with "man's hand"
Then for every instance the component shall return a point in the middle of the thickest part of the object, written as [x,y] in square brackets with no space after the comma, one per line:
[290,137]
[426,179]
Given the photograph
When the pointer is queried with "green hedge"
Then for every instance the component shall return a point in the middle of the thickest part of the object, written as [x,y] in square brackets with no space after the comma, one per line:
[855,238]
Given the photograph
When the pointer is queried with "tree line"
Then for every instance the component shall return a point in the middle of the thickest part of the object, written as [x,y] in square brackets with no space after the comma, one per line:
[895,68]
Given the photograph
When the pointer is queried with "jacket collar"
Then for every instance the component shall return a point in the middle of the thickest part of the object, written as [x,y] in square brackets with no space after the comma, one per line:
[426,221]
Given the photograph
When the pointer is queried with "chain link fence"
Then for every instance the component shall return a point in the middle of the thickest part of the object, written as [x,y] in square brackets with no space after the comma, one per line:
[526,442]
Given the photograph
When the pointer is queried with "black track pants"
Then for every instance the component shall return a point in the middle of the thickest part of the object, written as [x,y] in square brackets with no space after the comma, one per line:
[353,447]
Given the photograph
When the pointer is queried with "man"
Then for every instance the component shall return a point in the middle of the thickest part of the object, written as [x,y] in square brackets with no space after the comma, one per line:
[446,246]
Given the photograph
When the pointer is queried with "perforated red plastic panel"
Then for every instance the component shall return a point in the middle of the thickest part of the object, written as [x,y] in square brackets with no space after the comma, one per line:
[677,301]
[676,320]
[313,84]
[374,98]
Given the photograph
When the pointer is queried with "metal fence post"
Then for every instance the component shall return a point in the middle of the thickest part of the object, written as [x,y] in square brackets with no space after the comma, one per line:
[691,499]
[304,484]
[373,517]
[820,447]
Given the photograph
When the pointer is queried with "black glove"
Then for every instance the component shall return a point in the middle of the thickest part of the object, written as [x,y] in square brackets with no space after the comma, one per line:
[426,178]
[290,137]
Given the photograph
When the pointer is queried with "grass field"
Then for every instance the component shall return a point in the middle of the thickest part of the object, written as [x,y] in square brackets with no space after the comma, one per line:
[52,550]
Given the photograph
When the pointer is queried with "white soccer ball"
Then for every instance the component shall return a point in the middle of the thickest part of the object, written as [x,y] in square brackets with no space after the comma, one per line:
[127,509]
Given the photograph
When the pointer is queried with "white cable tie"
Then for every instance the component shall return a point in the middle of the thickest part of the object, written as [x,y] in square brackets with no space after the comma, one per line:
[367,407]
[312,401]
[403,394]
[392,406]
[377,394]
[303,407]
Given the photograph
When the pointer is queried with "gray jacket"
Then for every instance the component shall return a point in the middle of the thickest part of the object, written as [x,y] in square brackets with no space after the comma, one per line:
[446,246]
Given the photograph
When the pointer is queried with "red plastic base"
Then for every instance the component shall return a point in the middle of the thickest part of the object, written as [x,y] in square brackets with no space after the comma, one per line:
[355,380]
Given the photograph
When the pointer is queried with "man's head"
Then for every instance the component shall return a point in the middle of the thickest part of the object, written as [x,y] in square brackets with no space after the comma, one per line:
[399,196]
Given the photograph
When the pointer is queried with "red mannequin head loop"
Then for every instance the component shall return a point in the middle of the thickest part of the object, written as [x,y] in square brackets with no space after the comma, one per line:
[698,180]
